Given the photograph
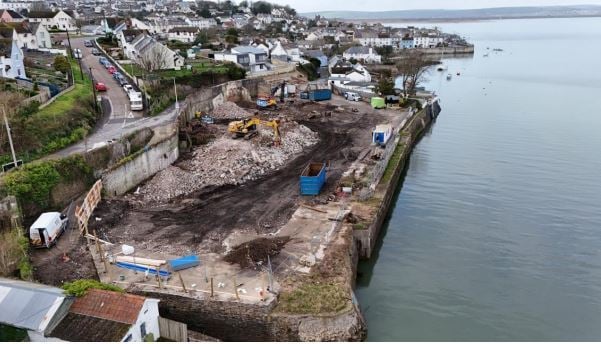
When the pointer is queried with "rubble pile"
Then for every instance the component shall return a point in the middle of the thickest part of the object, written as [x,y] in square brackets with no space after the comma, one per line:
[229,161]
[229,110]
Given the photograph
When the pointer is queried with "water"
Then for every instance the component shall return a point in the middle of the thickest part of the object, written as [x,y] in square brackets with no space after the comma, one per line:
[496,233]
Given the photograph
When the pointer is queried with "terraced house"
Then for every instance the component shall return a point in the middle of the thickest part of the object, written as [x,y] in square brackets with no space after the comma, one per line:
[61,20]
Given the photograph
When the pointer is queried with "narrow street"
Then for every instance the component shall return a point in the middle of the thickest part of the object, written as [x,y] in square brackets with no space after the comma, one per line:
[121,120]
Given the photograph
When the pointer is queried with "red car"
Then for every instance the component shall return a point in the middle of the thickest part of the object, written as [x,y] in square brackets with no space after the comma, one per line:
[112,69]
[100,87]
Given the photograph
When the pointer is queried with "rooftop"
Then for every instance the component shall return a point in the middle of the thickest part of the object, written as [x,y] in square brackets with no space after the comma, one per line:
[109,305]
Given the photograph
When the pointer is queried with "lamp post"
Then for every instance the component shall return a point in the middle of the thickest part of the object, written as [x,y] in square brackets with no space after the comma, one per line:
[175,88]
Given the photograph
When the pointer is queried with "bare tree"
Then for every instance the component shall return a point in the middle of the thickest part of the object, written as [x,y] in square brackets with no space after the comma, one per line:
[412,70]
[155,58]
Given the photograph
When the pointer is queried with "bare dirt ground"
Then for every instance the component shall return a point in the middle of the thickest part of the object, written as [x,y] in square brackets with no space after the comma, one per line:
[200,221]
[68,260]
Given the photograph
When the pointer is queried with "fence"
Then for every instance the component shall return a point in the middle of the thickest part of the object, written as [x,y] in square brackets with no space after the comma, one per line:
[173,330]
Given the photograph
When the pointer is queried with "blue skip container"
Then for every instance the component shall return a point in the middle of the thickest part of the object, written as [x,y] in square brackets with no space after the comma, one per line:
[312,179]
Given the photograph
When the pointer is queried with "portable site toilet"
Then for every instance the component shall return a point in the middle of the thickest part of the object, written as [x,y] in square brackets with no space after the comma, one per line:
[378,103]
[47,228]
[381,134]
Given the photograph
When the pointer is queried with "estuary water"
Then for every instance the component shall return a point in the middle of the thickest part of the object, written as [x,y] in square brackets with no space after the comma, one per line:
[496,232]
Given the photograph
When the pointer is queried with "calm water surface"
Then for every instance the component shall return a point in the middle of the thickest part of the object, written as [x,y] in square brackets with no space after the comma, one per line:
[496,233]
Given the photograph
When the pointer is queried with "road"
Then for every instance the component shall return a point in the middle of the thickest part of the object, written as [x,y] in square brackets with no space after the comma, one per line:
[121,121]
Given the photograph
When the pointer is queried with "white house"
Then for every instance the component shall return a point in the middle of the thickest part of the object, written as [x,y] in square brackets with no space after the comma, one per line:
[366,54]
[11,59]
[61,20]
[109,316]
[201,23]
[146,51]
[186,34]
[29,35]
[251,58]
[427,41]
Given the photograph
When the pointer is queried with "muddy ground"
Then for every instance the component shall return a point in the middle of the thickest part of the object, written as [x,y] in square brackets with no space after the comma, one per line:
[203,219]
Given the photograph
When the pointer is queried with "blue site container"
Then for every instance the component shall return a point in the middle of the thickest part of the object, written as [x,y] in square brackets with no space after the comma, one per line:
[321,94]
[312,179]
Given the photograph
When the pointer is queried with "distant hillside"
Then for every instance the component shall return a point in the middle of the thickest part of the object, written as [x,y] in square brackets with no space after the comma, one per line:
[481,13]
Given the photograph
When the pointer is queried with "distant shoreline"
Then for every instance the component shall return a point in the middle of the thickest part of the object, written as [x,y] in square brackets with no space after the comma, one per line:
[459,20]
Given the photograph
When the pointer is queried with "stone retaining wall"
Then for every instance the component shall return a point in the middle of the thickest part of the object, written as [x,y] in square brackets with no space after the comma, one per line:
[366,238]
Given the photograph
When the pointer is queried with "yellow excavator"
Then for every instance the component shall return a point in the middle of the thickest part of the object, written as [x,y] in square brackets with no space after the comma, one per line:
[247,128]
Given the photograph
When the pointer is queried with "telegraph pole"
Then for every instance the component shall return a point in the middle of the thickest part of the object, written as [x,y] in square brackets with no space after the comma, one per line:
[94,90]
[175,88]
[10,138]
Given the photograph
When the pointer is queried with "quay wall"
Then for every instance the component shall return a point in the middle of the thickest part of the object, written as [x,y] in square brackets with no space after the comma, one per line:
[410,133]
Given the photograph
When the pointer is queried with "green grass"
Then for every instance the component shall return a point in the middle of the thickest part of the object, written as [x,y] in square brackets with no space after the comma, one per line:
[197,67]
[314,298]
[54,127]
[393,163]
[82,89]
[12,334]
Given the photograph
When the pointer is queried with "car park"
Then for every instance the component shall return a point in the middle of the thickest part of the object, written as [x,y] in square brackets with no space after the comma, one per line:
[103,61]
[95,52]
[88,43]
[100,87]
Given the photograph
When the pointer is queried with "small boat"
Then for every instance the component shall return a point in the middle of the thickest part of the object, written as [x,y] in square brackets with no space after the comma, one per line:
[449,76]
[485,55]
[458,73]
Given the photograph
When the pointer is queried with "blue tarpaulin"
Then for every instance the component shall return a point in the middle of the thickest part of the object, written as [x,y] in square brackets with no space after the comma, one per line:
[184,262]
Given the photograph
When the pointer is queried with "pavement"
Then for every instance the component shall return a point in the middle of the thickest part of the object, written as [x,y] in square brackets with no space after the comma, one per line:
[121,120]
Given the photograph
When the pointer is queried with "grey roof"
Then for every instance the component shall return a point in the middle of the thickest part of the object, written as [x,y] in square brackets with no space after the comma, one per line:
[248,50]
[28,305]
[357,50]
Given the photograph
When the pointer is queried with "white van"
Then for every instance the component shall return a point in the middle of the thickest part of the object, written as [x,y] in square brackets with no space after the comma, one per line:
[47,228]
[352,96]
[135,100]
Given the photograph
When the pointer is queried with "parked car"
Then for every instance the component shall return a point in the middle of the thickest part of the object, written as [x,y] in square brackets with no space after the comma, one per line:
[77,53]
[103,60]
[116,75]
[100,87]
[127,88]
[111,69]
[95,52]
[121,80]
[88,43]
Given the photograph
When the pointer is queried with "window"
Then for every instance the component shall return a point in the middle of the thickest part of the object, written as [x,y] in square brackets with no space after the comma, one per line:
[128,338]
[143,329]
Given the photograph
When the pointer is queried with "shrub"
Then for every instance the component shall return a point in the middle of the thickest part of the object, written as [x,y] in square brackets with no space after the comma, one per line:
[80,287]
[61,64]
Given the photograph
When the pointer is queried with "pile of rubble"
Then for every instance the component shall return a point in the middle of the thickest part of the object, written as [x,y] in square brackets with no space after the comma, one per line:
[229,161]
[229,110]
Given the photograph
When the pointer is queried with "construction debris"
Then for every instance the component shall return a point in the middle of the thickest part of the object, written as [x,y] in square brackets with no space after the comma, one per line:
[230,110]
[228,161]
[253,254]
